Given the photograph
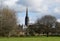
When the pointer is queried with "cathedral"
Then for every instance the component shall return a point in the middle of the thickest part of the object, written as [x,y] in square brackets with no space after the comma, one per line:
[26,20]
[26,23]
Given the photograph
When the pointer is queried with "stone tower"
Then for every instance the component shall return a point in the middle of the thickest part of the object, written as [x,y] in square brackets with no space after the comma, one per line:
[26,18]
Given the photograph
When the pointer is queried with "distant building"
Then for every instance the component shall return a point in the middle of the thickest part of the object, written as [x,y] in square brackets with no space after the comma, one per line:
[22,29]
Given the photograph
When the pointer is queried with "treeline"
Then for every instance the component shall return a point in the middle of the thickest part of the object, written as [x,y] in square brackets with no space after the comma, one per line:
[47,25]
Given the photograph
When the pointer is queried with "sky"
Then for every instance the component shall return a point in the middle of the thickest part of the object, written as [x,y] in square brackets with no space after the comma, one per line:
[36,8]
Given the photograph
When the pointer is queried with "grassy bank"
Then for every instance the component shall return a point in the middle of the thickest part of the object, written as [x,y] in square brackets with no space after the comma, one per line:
[30,38]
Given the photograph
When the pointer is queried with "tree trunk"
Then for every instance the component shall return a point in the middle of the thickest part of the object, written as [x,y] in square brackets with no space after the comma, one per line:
[47,34]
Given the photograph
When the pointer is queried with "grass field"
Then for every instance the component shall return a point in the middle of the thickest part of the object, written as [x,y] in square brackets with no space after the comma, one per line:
[30,39]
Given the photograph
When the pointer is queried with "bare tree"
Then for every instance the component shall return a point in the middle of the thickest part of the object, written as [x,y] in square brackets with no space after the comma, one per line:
[7,21]
[58,28]
[47,21]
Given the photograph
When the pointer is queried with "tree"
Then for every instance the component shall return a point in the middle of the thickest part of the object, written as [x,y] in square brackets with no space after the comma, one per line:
[7,21]
[47,21]
[35,29]
[32,29]
[58,28]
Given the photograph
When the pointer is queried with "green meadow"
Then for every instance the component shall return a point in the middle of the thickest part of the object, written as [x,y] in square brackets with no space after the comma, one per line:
[30,39]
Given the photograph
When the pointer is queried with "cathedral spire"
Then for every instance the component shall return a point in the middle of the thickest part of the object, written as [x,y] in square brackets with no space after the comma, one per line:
[26,11]
[26,17]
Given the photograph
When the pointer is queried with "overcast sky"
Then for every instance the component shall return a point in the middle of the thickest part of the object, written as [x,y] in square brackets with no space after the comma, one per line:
[37,8]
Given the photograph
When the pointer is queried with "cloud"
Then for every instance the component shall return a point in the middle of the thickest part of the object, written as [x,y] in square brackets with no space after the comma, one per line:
[20,20]
[13,4]
[57,10]
[40,7]
[57,1]
[10,2]
[30,3]
[35,5]
[58,20]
